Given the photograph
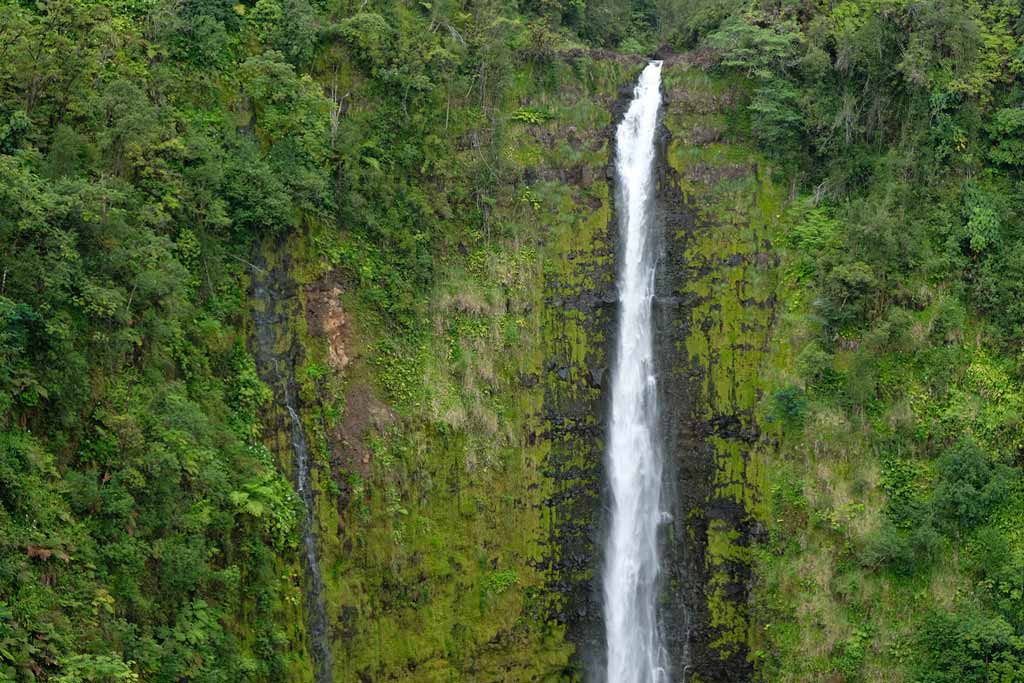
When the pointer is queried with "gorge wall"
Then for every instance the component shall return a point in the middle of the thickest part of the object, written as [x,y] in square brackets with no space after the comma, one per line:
[717,304]
[305,318]
[459,472]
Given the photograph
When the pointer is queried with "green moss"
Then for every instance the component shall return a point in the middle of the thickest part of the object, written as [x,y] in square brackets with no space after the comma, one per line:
[731,276]
[431,566]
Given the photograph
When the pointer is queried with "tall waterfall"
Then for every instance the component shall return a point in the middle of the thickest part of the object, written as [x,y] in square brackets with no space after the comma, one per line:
[635,652]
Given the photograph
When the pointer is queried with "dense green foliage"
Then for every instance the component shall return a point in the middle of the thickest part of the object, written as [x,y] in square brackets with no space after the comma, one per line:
[147,149]
[894,554]
[145,530]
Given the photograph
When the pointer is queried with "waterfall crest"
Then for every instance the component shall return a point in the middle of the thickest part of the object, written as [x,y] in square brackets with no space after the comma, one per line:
[631,562]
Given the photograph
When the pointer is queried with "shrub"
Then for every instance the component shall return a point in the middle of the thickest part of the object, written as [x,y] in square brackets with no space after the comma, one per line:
[532,117]
[904,551]
[816,367]
[1007,132]
[847,294]
[968,648]
[789,406]
[968,486]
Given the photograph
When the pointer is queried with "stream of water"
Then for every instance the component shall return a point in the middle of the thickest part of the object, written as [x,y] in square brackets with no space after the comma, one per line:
[631,563]
[278,371]
[315,608]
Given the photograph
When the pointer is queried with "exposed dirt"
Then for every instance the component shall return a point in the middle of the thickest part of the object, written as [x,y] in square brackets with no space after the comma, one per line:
[363,412]
[326,318]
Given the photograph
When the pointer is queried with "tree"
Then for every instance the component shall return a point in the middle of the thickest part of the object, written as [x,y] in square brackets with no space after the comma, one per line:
[968,486]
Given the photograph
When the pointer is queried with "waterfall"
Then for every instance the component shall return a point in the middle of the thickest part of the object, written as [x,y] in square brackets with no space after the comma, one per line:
[631,565]
[315,609]
[277,369]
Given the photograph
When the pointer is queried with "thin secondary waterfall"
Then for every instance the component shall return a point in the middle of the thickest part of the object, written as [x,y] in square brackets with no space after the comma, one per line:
[631,566]
[315,608]
[277,368]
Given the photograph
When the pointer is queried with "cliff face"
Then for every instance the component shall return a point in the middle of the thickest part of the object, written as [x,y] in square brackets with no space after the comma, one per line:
[457,462]
[717,209]
[716,309]
[459,473]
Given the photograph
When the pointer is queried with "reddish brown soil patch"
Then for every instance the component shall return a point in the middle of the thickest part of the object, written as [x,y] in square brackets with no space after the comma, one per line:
[326,318]
[363,412]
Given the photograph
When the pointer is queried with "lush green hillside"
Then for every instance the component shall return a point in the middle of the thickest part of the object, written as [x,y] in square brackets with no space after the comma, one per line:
[893,551]
[148,152]
[396,215]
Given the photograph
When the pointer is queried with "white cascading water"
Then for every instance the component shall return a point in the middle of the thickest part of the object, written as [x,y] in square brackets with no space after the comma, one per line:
[635,652]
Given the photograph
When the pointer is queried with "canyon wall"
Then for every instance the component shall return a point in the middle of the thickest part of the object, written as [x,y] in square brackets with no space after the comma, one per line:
[458,468]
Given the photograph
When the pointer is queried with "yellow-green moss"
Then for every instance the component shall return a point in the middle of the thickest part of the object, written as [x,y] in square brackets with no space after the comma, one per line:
[430,571]
[731,278]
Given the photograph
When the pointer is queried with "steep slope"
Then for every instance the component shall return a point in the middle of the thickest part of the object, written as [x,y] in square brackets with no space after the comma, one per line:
[457,460]
[892,381]
[159,160]
[463,542]
[716,312]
